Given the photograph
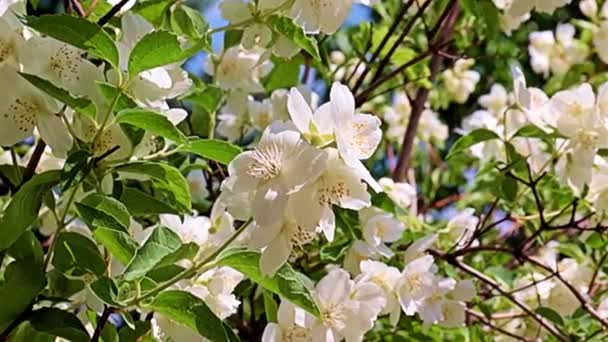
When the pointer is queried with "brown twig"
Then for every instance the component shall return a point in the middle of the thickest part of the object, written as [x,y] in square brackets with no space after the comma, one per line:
[112,12]
[444,35]
[101,323]
[480,318]
[30,169]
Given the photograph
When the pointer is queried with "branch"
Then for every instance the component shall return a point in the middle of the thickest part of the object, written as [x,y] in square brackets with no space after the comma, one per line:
[101,323]
[490,325]
[30,169]
[112,12]
[490,282]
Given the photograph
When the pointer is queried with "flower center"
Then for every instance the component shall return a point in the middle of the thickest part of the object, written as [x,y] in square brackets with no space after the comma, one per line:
[296,334]
[7,49]
[334,316]
[266,162]
[331,194]
[65,62]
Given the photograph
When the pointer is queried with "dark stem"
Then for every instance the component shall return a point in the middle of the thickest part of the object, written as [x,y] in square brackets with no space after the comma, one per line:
[30,169]
[101,323]
[112,12]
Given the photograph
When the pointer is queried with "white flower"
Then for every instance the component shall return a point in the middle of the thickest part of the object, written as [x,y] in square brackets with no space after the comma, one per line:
[417,282]
[239,69]
[555,53]
[11,43]
[462,227]
[198,185]
[61,64]
[338,185]
[386,278]
[402,193]
[589,8]
[357,135]
[235,11]
[321,15]
[294,324]
[215,288]
[191,230]
[600,41]
[580,121]
[446,306]
[598,188]
[23,107]
[318,127]
[602,309]
[381,228]
[532,101]
[418,248]
[509,23]
[347,309]
[233,117]
[520,7]
[279,241]
[496,101]
[460,81]
[561,299]
[261,113]
[358,252]
[281,164]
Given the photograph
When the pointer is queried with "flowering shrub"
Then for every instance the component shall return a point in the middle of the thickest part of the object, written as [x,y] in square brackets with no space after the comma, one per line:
[437,172]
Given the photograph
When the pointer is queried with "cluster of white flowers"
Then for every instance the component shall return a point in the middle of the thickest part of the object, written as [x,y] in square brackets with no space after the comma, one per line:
[349,307]
[516,12]
[556,53]
[294,175]
[460,81]
[397,116]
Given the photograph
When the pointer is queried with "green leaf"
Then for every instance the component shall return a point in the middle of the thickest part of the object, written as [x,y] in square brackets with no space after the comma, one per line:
[103,211]
[119,243]
[153,10]
[106,290]
[126,334]
[23,280]
[550,314]
[208,97]
[218,150]
[285,283]
[160,48]
[190,311]
[531,131]
[508,188]
[270,307]
[152,122]
[25,332]
[24,206]
[77,255]
[284,74]
[27,247]
[109,93]
[78,32]
[188,22]
[78,104]
[75,169]
[140,203]
[295,33]
[162,243]
[475,137]
[59,323]
[165,178]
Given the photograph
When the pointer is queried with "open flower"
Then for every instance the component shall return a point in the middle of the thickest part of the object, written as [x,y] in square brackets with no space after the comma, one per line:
[337,185]
[417,283]
[321,15]
[239,69]
[281,164]
[379,228]
[357,135]
[347,309]
[23,108]
[294,324]
[318,127]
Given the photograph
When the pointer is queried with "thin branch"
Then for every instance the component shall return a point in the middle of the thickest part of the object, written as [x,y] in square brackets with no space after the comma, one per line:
[480,318]
[491,283]
[112,12]
[418,107]
[101,323]
[30,169]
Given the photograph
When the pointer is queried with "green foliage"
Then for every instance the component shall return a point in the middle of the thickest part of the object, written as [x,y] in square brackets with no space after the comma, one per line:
[286,27]
[286,282]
